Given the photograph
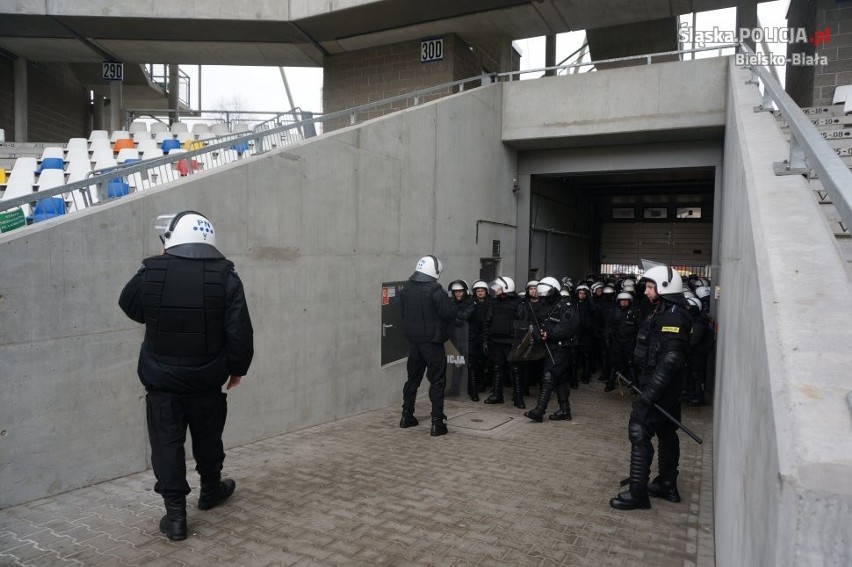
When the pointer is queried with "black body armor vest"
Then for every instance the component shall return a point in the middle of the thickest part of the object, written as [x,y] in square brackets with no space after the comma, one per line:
[184,304]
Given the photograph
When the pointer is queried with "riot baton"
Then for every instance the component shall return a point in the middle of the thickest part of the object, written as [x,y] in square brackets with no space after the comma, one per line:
[657,407]
[535,320]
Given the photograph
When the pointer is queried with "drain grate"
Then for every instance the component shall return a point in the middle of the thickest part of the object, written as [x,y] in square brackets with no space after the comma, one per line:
[479,421]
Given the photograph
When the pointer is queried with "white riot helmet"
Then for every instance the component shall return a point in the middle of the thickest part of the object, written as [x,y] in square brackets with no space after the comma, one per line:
[505,283]
[188,227]
[629,288]
[479,284]
[429,266]
[668,280]
[583,287]
[548,286]
[702,292]
[695,302]
[457,285]
[608,290]
[624,295]
[531,283]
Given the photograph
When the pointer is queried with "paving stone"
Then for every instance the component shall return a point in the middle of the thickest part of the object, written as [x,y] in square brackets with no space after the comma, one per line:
[363,491]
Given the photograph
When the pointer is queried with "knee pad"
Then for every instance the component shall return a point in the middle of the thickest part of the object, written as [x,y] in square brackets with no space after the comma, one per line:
[638,434]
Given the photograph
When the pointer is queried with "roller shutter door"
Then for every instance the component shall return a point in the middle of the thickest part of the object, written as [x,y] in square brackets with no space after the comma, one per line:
[688,245]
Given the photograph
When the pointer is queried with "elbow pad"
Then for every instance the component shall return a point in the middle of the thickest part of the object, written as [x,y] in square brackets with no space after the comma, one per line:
[663,373]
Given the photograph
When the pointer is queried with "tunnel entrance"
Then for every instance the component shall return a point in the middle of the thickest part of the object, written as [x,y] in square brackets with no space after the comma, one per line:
[604,222]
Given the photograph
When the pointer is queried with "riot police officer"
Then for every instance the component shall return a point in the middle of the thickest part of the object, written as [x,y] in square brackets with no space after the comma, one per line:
[466,313]
[622,326]
[426,311]
[558,327]
[198,336]
[500,330]
[661,346]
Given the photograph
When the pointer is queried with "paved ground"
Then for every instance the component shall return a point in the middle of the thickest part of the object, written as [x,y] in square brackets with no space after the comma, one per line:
[498,490]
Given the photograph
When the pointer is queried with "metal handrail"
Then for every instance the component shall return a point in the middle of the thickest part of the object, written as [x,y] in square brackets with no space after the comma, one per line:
[808,149]
[264,140]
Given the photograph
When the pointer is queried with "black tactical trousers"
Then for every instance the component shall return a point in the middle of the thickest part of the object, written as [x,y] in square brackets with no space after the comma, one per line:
[646,422]
[168,417]
[423,357]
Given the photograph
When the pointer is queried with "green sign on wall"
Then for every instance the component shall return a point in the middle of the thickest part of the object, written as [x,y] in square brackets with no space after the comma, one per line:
[10,220]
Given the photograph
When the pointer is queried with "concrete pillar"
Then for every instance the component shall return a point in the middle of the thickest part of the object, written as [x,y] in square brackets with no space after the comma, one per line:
[21,105]
[550,53]
[747,18]
[174,93]
[116,106]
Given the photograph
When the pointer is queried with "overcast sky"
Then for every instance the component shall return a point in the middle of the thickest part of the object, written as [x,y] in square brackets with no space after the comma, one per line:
[261,88]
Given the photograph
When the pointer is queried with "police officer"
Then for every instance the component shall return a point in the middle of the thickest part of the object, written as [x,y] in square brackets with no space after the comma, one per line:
[621,329]
[700,346]
[465,313]
[426,311]
[500,330]
[198,336]
[478,360]
[559,325]
[661,346]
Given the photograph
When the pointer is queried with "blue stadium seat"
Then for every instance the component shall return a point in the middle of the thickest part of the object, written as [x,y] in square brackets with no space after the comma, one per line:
[48,208]
[240,148]
[117,188]
[51,163]
[169,145]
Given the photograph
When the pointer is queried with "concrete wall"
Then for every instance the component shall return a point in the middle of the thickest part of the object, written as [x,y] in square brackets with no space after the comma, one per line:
[783,449]
[652,98]
[314,231]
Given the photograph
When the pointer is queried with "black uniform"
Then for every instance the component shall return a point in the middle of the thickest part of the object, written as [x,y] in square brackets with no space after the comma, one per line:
[500,333]
[661,346]
[622,326]
[426,311]
[700,346]
[197,333]
[587,314]
[561,323]
[466,322]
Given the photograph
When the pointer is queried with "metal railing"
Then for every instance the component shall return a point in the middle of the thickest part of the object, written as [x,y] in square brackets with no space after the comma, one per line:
[274,133]
[808,149]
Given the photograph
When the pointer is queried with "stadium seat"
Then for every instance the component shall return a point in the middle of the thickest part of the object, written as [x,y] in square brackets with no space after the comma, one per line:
[145,145]
[183,137]
[51,163]
[21,181]
[138,126]
[240,148]
[98,135]
[179,127]
[169,145]
[127,154]
[2,175]
[158,127]
[119,135]
[50,178]
[220,129]
[206,136]
[151,153]
[200,128]
[105,163]
[190,145]
[77,154]
[48,208]
[161,137]
[52,152]
[240,128]
[121,144]
[141,136]
[101,153]
[117,188]
[77,144]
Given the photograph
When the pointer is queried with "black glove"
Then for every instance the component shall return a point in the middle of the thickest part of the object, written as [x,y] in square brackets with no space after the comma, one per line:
[458,322]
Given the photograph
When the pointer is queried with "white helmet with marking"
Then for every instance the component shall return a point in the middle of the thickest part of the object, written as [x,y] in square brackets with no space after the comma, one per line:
[668,280]
[548,286]
[188,227]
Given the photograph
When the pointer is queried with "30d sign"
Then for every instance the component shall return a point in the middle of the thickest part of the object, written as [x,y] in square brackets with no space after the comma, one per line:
[432,49]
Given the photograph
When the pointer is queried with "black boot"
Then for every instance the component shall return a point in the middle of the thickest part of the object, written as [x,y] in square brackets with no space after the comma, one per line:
[517,387]
[408,420]
[641,454]
[610,383]
[665,489]
[496,396]
[438,427]
[214,493]
[564,411]
[473,383]
[537,413]
[173,524]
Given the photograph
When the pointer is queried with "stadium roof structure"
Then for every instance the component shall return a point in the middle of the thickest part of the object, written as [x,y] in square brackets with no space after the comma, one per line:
[296,33]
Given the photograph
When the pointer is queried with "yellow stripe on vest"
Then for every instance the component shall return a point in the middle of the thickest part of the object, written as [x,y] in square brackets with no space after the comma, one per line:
[671,329]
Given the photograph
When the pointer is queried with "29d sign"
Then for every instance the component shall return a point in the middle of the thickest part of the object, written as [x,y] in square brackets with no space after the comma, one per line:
[432,49]
[112,71]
